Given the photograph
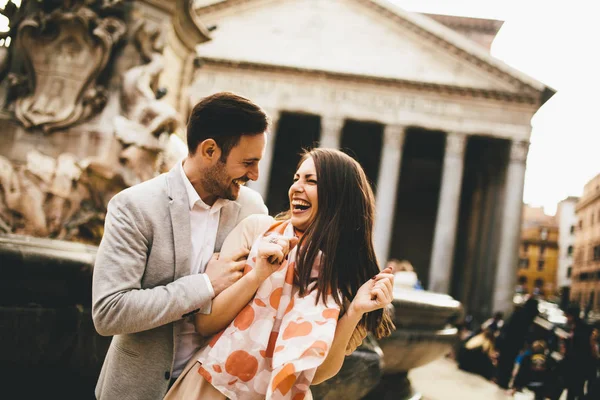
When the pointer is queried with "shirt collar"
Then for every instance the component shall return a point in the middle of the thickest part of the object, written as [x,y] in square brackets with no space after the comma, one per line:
[193,196]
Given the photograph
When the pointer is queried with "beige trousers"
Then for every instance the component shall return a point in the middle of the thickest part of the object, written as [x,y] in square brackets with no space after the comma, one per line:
[192,386]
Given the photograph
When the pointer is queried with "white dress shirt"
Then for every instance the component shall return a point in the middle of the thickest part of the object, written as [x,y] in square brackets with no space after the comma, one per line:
[204,222]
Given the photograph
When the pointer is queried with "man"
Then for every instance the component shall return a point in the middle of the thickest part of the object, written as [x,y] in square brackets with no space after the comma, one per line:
[152,271]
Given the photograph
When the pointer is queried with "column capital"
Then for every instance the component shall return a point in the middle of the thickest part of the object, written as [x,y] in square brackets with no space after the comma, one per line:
[519,150]
[332,123]
[273,114]
[455,143]
[331,131]
[393,135]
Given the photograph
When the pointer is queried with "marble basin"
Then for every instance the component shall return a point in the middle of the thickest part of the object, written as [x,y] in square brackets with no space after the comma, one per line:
[423,335]
[47,331]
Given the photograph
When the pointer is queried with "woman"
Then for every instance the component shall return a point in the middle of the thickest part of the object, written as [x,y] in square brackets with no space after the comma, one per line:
[281,327]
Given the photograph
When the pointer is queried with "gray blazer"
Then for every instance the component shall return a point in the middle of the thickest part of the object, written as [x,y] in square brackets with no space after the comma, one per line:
[142,282]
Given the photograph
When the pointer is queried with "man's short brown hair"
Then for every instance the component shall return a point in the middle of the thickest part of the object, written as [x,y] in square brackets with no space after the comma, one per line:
[224,117]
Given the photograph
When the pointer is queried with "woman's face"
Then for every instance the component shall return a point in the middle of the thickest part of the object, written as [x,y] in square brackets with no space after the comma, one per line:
[303,195]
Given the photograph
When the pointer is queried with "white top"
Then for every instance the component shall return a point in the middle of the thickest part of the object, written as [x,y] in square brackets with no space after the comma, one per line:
[204,222]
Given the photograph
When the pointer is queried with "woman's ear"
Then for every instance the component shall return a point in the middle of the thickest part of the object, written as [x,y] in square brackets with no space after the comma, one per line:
[209,150]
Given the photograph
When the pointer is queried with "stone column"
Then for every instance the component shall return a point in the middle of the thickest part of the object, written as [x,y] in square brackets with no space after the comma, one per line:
[389,173]
[508,255]
[442,256]
[264,166]
[331,132]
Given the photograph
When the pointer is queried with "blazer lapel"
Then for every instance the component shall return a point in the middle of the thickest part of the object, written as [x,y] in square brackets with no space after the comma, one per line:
[227,221]
[180,220]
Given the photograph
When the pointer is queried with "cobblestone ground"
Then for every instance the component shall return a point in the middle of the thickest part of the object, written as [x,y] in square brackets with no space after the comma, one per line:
[442,380]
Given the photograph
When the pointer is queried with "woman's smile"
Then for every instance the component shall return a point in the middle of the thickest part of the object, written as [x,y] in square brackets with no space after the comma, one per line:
[303,195]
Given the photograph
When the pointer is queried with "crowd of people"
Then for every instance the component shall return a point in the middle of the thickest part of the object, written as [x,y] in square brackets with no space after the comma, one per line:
[520,355]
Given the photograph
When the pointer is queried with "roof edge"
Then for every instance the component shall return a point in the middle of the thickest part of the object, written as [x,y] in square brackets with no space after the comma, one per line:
[433,87]
[454,39]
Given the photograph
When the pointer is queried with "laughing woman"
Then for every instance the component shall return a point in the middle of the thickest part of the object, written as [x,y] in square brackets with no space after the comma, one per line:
[311,290]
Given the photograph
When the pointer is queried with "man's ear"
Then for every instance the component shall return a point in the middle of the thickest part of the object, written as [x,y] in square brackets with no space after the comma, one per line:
[209,150]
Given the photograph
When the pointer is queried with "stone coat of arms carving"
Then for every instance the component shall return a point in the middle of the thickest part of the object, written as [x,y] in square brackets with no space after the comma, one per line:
[65,52]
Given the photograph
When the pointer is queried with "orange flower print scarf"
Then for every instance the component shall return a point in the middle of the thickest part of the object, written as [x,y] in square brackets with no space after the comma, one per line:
[273,347]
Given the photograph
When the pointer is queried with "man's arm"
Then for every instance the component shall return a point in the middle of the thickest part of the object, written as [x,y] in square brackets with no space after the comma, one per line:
[119,304]
[228,304]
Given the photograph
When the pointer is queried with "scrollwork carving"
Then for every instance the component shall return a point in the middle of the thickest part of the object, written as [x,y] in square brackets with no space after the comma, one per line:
[147,121]
[65,52]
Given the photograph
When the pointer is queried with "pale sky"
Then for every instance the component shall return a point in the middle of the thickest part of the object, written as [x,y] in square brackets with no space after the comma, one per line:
[557,43]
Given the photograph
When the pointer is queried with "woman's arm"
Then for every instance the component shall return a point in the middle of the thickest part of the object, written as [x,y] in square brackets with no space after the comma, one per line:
[373,295]
[335,358]
[228,304]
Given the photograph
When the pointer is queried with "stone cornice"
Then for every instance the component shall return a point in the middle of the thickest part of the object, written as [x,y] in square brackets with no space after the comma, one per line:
[188,28]
[483,25]
[455,43]
[520,98]
[441,35]
[584,202]
[165,5]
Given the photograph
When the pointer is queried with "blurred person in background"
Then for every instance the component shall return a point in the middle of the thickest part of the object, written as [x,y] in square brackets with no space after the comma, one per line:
[404,274]
[535,371]
[477,355]
[578,365]
[594,385]
[512,339]
[495,323]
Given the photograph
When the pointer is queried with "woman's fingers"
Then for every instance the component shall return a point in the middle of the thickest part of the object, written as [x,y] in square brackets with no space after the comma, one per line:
[386,294]
[378,295]
[388,284]
[274,254]
[285,244]
[385,288]
[382,275]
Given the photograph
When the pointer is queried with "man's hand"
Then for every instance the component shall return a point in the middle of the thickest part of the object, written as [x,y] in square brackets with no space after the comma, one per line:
[224,272]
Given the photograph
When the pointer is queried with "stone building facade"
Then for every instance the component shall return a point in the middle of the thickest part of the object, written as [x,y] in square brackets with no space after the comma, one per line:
[538,253]
[441,127]
[567,224]
[585,277]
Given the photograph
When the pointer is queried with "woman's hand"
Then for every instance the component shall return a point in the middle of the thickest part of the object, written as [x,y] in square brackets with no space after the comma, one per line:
[375,294]
[272,251]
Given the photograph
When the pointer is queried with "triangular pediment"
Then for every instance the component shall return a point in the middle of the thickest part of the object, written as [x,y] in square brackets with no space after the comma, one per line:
[358,37]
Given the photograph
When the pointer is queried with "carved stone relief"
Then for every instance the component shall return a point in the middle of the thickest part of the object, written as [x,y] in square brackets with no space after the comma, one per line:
[66,197]
[65,51]
[146,122]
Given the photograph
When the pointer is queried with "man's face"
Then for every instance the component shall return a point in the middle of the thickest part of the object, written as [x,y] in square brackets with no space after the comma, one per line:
[224,179]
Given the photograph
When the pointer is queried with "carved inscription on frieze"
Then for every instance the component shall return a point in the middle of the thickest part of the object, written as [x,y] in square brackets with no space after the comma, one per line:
[378,101]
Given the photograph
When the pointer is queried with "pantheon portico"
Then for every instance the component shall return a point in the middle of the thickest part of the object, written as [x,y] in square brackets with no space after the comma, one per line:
[440,126]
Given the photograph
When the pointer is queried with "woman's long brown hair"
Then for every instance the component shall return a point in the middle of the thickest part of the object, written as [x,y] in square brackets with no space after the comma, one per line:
[343,232]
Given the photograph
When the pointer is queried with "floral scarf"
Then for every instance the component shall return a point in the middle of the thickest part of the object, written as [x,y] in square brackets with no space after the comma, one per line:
[273,347]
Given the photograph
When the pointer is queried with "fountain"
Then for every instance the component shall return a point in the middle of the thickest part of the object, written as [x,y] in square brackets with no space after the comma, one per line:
[67,146]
